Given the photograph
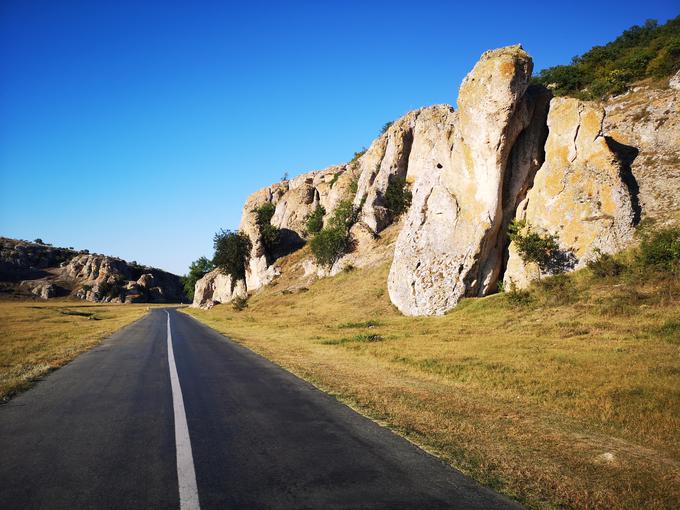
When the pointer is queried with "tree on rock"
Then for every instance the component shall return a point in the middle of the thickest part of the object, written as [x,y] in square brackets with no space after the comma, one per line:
[232,253]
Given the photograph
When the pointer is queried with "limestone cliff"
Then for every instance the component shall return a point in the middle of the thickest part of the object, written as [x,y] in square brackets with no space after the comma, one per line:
[586,172]
[579,193]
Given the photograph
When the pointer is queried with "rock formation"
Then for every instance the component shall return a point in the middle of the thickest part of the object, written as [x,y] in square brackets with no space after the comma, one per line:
[643,128]
[578,194]
[216,287]
[582,171]
[449,246]
[48,272]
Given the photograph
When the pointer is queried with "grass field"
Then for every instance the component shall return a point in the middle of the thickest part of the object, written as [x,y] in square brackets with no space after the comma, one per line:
[569,398]
[37,337]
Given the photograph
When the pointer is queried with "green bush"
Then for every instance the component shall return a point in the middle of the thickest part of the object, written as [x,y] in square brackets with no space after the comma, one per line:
[518,297]
[232,253]
[397,196]
[357,155]
[331,242]
[648,51]
[660,249]
[543,250]
[269,233]
[557,290]
[238,303]
[605,265]
[329,245]
[344,215]
[386,126]
[314,222]
[197,270]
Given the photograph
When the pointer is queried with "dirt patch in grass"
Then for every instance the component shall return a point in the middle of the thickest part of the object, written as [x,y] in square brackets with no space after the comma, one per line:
[573,404]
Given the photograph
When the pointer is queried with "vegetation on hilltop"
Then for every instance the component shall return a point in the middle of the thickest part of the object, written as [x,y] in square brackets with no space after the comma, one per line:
[647,51]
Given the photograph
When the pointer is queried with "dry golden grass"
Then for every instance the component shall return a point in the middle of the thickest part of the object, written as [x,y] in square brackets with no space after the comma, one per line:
[37,337]
[557,405]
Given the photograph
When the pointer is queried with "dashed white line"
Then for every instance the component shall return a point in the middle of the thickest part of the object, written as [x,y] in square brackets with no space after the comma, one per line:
[186,474]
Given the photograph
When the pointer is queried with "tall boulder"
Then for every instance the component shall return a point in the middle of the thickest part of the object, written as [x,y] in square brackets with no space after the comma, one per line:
[216,287]
[578,194]
[449,246]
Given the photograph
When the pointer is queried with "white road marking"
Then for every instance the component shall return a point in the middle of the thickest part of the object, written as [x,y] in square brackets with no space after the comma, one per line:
[186,475]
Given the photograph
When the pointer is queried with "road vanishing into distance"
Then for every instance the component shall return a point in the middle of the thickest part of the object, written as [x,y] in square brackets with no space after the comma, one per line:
[168,413]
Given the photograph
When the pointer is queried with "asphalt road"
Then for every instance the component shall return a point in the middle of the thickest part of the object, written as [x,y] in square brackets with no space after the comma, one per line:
[109,431]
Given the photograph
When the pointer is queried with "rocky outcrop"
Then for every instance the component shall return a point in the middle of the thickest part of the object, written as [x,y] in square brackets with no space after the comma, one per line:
[49,272]
[643,128]
[449,245]
[578,194]
[674,82]
[581,172]
[216,287]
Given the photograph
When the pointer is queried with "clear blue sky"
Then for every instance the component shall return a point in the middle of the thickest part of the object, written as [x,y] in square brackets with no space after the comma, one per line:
[137,129]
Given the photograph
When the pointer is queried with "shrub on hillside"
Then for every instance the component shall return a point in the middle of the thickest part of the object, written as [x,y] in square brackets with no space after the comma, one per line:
[232,253]
[331,242]
[239,303]
[660,249]
[397,196]
[558,289]
[516,296]
[269,233]
[605,265]
[314,222]
[540,249]
[329,245]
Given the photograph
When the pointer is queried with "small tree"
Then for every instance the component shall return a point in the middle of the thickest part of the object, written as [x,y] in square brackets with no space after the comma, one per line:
[38,241]
[542,250]
[270,234]
[328,245]
[232,253]
[385,127]
[331,242]
[314,222]
[197,270]
[397,196]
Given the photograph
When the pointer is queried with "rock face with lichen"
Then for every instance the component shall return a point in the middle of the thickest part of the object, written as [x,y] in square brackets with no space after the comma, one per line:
[449,245]
[579,193]
[584,172]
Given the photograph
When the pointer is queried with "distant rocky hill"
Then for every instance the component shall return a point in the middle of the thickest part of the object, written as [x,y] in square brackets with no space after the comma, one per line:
[40,270]
[585,172]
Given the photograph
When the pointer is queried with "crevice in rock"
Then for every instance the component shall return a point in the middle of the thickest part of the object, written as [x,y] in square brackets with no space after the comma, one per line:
[538,128]
[626,155]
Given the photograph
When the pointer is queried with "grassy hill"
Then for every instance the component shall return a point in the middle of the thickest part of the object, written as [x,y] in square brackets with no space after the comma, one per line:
[648,51]
[566,395]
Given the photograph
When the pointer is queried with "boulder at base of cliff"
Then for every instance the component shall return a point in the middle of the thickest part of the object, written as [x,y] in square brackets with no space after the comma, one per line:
[217,287]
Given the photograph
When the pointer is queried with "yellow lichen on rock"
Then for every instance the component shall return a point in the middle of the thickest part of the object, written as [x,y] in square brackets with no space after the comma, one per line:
[582,200]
